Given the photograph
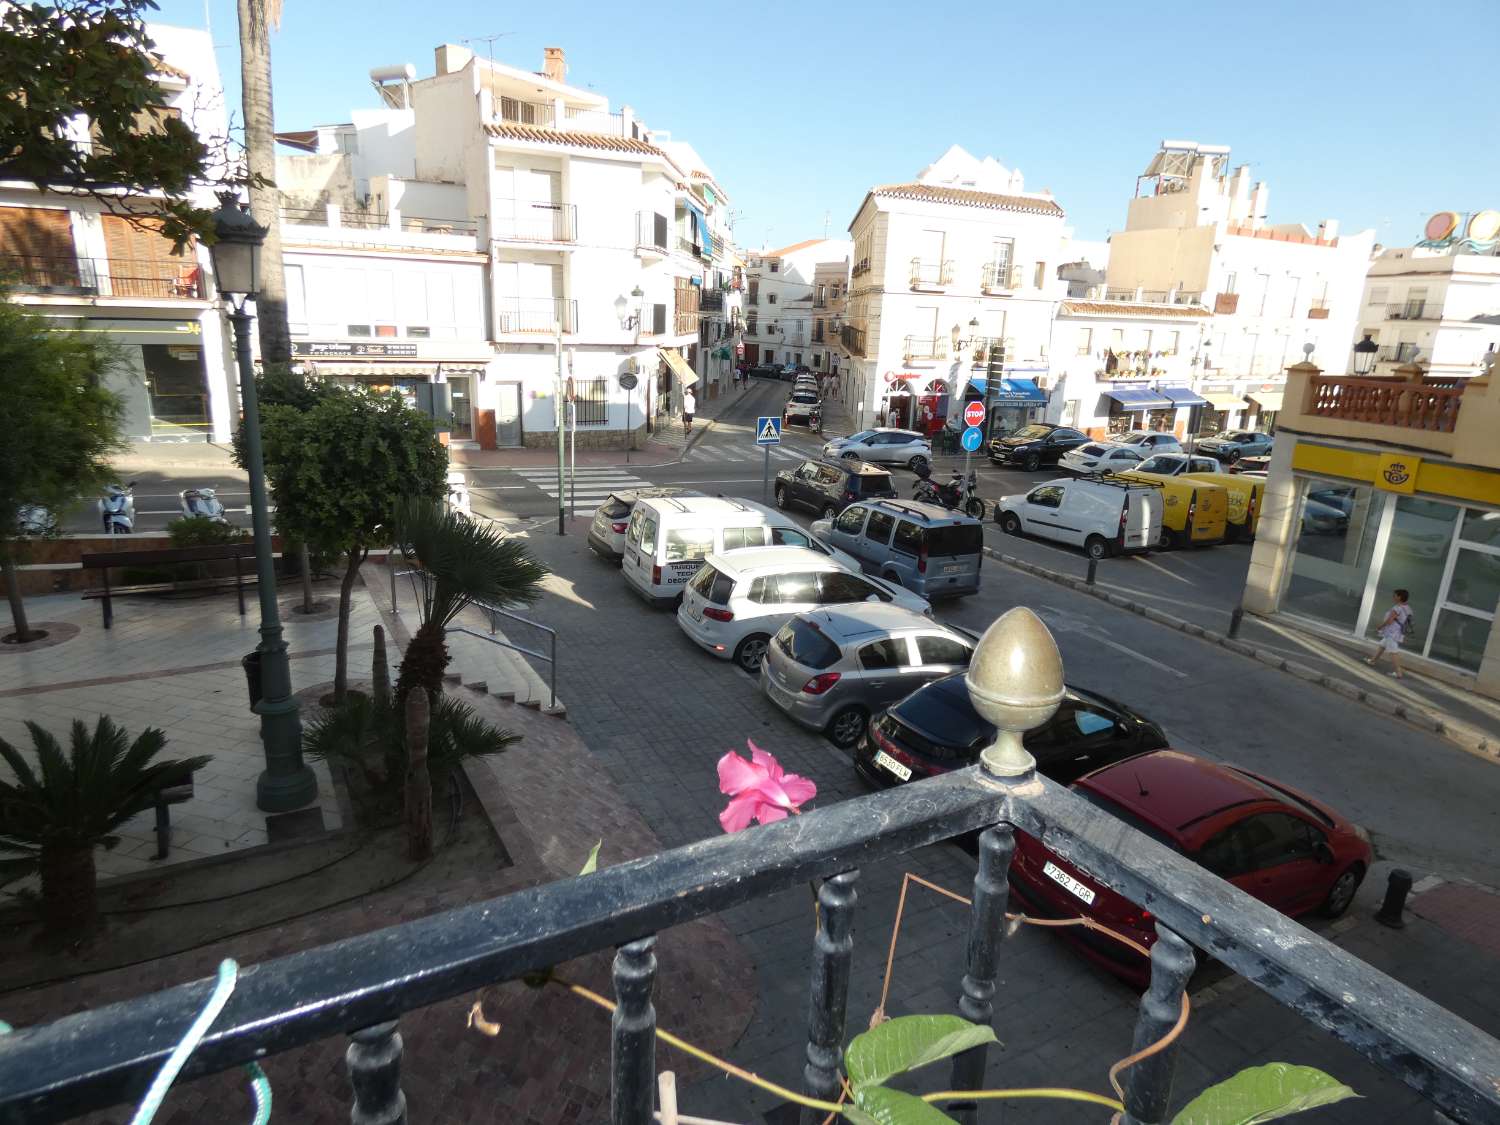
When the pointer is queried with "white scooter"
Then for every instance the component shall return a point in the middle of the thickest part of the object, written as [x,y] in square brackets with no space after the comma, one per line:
[201,502]
[117,508]
[458,494]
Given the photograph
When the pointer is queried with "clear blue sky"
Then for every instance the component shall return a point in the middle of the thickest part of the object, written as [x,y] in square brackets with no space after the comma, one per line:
[1373,113]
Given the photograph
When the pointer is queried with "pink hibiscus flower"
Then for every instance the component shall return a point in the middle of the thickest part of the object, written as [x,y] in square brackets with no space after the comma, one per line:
[759,789]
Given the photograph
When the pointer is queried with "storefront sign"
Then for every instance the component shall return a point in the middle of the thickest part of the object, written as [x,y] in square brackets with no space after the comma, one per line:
[1431,478]
[1397,472]
[333,348]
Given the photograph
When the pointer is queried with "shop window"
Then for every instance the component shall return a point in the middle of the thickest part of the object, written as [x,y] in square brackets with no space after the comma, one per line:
[1459,638]
[359,330]
[385,331]
[1415,558]
[1334,552]
[418,331]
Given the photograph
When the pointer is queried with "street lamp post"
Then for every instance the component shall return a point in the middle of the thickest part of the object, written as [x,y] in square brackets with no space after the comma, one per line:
[287,782]
[1364,355]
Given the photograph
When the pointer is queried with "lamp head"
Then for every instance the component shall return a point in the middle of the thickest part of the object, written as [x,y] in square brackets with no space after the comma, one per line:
[236,248]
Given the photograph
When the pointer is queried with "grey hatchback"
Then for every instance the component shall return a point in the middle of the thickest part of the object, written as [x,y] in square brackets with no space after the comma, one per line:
[929,549]
[831,669]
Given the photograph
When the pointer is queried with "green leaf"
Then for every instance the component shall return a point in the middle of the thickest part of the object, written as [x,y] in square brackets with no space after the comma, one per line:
[858,1116]
[591,864]
[906,1043]
[1263,1093]
[880,1105]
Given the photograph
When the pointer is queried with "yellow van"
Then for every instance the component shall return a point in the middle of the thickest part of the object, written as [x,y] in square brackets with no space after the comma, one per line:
[1193,512]
[1245,496]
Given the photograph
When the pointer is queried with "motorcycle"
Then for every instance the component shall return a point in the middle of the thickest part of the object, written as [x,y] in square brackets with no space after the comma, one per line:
[117,508]
[815,421]
[958,494]
[201,502]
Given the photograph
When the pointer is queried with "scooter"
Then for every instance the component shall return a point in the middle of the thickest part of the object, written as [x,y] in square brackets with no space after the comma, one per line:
[117,508]
[203,503]
[957,494]
[458,494]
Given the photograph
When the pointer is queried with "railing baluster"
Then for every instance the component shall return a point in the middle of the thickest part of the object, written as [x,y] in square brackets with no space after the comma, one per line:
[833,949]
[1148,1084]
[976,1002]
[374,1062]
[632,1049]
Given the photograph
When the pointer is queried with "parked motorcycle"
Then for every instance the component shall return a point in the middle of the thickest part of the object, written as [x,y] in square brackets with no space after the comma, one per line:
[958,494]
[117,508]
[201,502]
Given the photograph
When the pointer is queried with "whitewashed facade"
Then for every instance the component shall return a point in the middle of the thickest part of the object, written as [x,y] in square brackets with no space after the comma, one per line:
[1437,305]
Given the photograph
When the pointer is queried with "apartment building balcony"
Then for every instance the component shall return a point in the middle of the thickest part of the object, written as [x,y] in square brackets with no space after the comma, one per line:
[652,234]
[524,220]
[1226,304]
[999,278]
[711,300]
[1317,310]
[334,224]
[861,266]
[1397,353]
[535,316]
[853,340]
[931,275]
[574,119]
[920,348]
[71,276]
[653,322]
[1412,310]
[685,323]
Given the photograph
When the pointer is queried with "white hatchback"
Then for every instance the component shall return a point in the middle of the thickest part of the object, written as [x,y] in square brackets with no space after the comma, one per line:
[738,600]
[1100,457]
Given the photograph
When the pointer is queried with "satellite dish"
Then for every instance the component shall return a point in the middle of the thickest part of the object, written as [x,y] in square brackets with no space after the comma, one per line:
[1441,225]
[1484,226]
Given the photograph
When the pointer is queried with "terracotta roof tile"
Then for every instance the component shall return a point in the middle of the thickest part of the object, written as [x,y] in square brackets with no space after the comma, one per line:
[1120,308]
[514,132]
[793,248]
[161,66]
[932,193]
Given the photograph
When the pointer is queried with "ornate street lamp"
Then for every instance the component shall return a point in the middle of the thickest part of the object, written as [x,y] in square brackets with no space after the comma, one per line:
[287,782]
[1364,355]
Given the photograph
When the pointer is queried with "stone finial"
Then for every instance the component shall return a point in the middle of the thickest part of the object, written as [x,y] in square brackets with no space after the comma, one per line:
[1015,680]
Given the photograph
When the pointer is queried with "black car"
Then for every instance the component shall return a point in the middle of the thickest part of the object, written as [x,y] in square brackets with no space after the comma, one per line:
[827,488]
[1035,445]
[766,371]
[936,729]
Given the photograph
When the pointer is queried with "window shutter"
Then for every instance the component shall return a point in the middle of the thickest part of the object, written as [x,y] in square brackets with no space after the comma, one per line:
[35,232]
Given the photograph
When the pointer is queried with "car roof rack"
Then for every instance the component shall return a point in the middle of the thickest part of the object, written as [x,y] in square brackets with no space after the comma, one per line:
[1118,481]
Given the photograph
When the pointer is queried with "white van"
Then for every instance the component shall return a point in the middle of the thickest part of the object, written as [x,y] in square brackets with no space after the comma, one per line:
[1104,517]
[669,537]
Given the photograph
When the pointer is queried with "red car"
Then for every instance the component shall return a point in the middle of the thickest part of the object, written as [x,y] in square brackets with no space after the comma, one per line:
[1274,843]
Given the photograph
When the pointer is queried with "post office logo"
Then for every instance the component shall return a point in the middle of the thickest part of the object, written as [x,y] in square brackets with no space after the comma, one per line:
[1172,501]
[1397,472]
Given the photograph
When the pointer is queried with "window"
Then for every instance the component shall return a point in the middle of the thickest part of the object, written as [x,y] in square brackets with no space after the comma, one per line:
[418,331]
[591,402]
[775,268]
[805,643]
[851,520]
[1002,251]
[687,544]
[1174,342]
[385,331]
[798,359]
[797,589]
[1117,339]
[790,537]
[735,537]
[1085,341]
[1048,496]
[1230,282]
[1225,855]
[359,330]
[715,586]
[887,653]
[1379,295]
[909,537]
[770,298]
[1040,279]
[1271,839]
[879,529]
[941,650]
[648,535]
[837,588]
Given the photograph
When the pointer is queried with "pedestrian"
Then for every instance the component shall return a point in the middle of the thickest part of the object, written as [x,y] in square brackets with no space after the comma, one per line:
[1396,627]
[893,417]
[689,405]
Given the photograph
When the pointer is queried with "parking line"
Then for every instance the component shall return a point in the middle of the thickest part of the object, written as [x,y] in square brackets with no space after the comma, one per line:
[1136,653]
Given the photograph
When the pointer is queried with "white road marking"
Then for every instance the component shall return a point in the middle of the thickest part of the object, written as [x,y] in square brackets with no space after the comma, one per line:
[1098,635]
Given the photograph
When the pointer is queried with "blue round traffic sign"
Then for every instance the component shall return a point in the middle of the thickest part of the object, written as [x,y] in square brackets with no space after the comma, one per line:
[971,439]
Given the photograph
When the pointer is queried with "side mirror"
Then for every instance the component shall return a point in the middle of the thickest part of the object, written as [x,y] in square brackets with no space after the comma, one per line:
[873,598]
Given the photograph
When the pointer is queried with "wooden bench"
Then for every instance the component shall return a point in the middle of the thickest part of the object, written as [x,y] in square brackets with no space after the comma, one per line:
[172,556]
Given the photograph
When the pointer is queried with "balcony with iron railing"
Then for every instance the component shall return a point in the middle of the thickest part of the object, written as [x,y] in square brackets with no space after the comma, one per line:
[711,300]
[853,340]
[360,987]
[524,220]
[1397,353]
[535,316]
[925,347]
[931,275]
[1411,310]
[151,278]
[999,277]
[653,232]
[575,119]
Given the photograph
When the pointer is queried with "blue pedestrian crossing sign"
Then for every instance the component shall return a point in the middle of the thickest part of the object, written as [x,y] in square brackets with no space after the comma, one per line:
[971,439]
[768,431]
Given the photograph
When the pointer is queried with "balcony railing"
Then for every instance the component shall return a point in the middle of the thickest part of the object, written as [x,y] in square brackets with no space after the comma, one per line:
[853,340]
[926,347]
[931,273]
[360,986]
[523,220]
[1410,310]
[535,315]
[687,246]
[711,300]
[104,277]
[593,121]
[1388,402]
[652,231]
[861,266]
[336,218]
[999,277]
[1397,353]
[685,323]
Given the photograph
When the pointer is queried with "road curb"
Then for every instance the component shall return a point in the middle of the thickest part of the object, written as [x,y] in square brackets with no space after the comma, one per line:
[1474,741]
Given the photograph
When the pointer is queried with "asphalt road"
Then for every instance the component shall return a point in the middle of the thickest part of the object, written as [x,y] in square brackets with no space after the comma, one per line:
[157,503]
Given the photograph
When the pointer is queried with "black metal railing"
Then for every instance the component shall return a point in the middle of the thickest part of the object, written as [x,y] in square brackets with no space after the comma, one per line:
[853,340]
[689,246]
[538,315]
[925,347]
[932,273]
[1408,310]
[652,231]
[999,275]
[518,111]
[1398,353]
[711,300]
[428,224]
[527,220]
[104,277]
[92,1060]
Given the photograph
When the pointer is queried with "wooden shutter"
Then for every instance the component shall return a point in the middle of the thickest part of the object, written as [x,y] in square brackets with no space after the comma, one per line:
[36,244]
[142,264]
[125,241]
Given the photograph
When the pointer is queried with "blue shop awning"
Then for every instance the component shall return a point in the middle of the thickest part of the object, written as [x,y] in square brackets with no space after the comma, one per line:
[1017,390]
[1139,398]
[1184,396]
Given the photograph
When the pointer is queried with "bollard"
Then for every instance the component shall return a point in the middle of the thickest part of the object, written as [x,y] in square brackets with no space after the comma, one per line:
[1397,887]
[1093,569]
[1234,621]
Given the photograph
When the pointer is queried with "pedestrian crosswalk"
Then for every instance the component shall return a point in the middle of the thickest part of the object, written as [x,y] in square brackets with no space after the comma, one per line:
[737,444]
[593,485]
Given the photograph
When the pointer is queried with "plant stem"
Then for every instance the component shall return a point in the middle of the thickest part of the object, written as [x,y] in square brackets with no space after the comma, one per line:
[1061,1092]
[13,593]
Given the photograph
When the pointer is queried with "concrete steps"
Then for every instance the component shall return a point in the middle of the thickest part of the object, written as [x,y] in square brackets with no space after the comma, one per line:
[501,673]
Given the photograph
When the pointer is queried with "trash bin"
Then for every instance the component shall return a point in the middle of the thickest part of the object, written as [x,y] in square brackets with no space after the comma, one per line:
[251,664]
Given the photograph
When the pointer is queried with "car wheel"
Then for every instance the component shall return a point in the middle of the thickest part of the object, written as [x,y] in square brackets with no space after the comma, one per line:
[1169,540]
[1232,456]
[1341,894]
[751,651]
[1031,463]
[1010,523]
[1096,546]
[780,496]
[846,727]
[917,464]
[829,511]
[850,456]
[975,508]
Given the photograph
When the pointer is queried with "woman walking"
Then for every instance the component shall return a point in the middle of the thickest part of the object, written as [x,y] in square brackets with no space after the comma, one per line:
[1393,630]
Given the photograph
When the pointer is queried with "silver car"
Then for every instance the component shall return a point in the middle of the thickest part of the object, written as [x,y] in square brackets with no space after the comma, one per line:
[904,448]
[831,669]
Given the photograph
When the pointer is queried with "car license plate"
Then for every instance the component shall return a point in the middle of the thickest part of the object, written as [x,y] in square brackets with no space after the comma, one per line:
[890,763]
[953,569]
[1062,878]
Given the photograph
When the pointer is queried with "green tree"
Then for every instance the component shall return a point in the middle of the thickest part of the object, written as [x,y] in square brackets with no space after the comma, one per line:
[94,59]
[337,469]
[55,815]
[61,426]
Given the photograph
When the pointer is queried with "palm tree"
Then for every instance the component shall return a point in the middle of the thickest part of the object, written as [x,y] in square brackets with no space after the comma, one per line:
[463,562]
[257,17]
[56,817]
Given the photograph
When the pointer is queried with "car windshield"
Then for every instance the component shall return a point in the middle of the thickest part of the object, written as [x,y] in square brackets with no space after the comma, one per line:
[805,643]
[1285,797]
[955,539]
[1164,465]
[805,397]
[863,435]
[874,482]
[1093,449]
[1032,433]
[1099,801]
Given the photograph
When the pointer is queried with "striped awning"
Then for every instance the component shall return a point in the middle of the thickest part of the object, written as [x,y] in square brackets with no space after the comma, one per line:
[372,371]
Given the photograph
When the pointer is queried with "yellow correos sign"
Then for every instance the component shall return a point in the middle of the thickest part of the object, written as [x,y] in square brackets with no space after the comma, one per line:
[1397,472]
[1400,472]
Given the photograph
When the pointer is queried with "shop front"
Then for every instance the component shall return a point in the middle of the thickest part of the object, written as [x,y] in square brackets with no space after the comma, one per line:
[1265,404]
[162,375]
[1222,411]
[1131,408]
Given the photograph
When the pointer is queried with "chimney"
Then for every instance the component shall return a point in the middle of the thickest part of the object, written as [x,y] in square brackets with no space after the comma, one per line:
[553,66]
[451,57]
[1328,230]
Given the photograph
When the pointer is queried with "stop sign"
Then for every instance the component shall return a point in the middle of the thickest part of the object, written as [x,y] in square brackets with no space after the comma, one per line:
[974,414]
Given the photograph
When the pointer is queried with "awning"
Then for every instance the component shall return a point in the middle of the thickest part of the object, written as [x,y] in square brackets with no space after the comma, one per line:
[705,239]
[1139,398]
[375,372]
[685,374]
[1184,396]
[1225,400]
[1016,390]
[1268,401]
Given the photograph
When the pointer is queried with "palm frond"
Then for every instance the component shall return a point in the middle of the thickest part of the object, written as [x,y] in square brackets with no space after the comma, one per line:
[456,732]
[467,561]
[19,766]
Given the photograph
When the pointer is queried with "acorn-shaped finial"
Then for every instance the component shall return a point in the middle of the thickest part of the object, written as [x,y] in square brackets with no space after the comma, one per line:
[1015,680]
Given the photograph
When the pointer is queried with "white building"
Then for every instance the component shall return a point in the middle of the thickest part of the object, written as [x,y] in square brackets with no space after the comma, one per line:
[1439,301]
[599,236]
[782,314]
[1196,234]
[951,294]
[98,272]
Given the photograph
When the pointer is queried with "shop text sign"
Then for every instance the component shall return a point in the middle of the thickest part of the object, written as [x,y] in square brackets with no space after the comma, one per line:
[329,349]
